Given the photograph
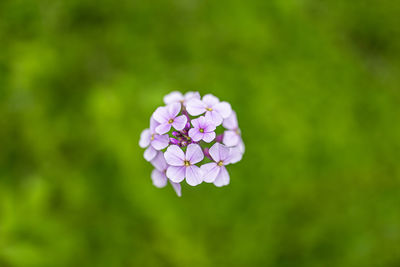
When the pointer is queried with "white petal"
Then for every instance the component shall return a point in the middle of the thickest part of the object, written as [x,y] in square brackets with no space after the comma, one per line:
[180,122]
[173,110]
[194,154]
[236,155]
[176,174]
[145,137]
[195,107]
[163,128]
[210,100]
[224,109]
[231,122]
[177,188]
[173,97]
[161,115]
[194,175]
[159,178]
[150,153]
[219,152]
[231,138]
[159,162]
[208,137]
[174,156]
[160,141]
[222,178]
[215,117]
[210,172]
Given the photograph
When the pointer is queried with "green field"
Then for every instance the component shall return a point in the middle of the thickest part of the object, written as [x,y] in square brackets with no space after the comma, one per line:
[315,84]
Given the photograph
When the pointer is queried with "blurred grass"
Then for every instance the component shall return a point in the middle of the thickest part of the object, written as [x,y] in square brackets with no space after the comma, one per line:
[316,88]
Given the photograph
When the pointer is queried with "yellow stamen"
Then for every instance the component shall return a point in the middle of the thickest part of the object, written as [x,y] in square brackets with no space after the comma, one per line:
[152,137]
[170,121]
[209,109]
[187,163]
[201,130]
[220,163]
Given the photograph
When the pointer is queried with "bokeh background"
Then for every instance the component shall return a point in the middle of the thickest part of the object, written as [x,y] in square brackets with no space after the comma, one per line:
[316,88]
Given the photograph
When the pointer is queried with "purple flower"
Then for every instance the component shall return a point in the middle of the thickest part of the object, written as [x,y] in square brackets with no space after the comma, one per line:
[168,116]
[215,172]
[153,141]
[158,175]
[178,97]
[182,165]
[215,110]
[232,136]
[203,129]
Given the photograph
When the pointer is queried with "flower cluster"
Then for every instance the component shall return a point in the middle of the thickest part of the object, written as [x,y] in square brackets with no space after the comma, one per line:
[193,139]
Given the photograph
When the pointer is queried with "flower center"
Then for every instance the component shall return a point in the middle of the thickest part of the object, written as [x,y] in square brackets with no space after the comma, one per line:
[170,121]
[201,130]
[187,163]
[209,109]
[152,137]
[220,163]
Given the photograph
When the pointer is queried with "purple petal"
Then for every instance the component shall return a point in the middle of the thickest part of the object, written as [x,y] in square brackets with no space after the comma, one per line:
[222,178]
[215,117]
[195,134]
[194,175]
[177,188]
[176,174]
[219,152]
[153,125]
[163,128]
[159,178]
[174,156]
[224,109]
[145,137]
[196,122]
[192,95]
[236,155]
[160,141]
[173,110]
[208,137]
[150,153]
[179,122]
[161,115]
[195,107]
[231,122]
[159,162]
[194,154]
[231,138]
[210,172]
[173,97]
[210,100]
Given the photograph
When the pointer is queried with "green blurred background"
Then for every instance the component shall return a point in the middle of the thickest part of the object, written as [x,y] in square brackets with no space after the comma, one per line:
[316,88]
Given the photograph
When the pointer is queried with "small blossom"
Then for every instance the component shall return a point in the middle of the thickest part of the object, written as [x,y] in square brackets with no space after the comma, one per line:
[167,117]
[215,110]
[182,165]
[178,97]
[203,129]
[232,136]
[153,141]
[158,175]
[215,172]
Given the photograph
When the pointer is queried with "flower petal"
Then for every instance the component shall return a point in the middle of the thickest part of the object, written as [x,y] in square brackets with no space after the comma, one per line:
[177,188]
[161,115]
[159,178]
[222,178]
[231,138]
[210,172]
[159,162]
[192,95]
[194,154]
[195,134]
[145,137]
[179,122]
[194,175]
[160,141]
[153,125]
[173,97]
[173,110]
[163,128]
[176,174]
[174,156]
[231,122]
[236,155]
[195,107]
[210,100]
[224,109]
[215,117]
[150,153]
[208,137]
[219,152]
